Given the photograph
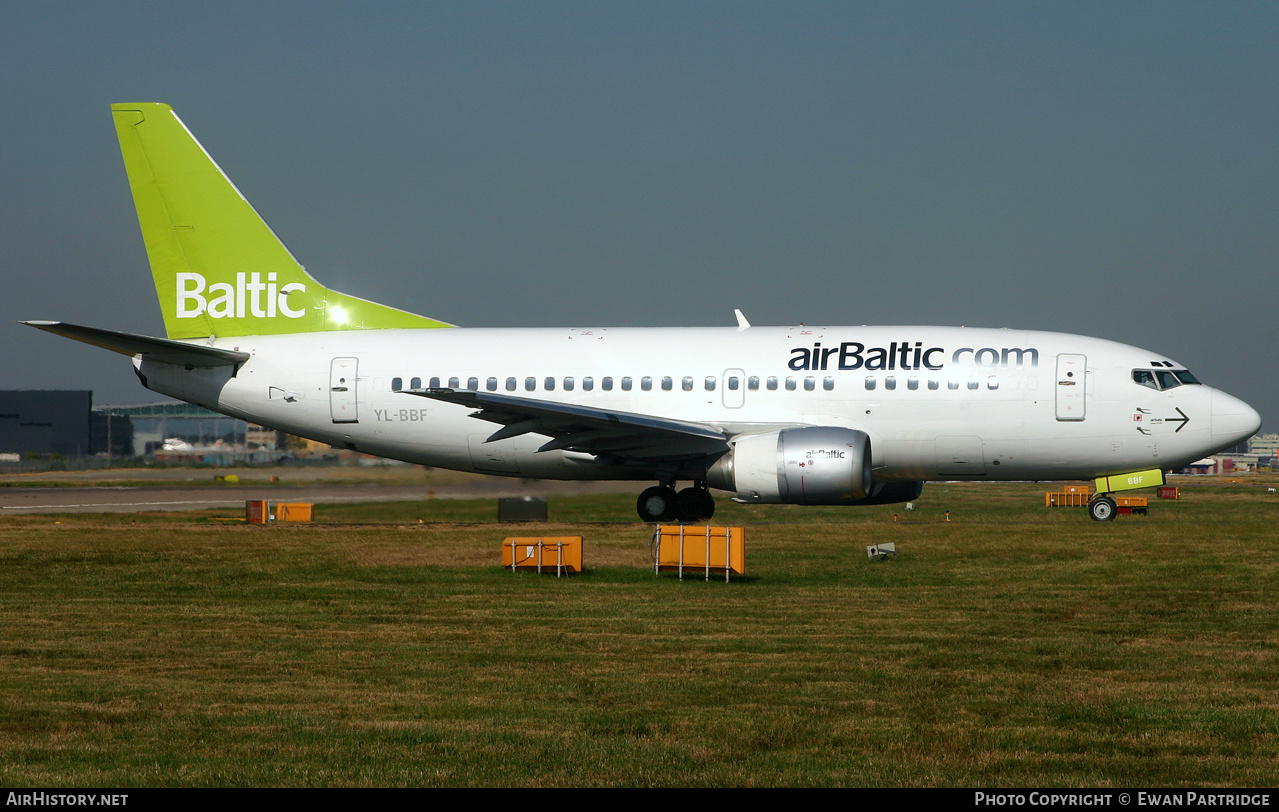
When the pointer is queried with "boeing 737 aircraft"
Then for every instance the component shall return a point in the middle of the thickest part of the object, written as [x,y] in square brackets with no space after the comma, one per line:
[797,415]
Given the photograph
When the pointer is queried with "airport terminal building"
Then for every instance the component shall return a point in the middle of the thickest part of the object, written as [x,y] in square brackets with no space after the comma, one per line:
[45,424]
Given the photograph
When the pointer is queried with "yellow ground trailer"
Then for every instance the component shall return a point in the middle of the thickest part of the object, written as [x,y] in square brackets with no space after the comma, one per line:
[1128,482]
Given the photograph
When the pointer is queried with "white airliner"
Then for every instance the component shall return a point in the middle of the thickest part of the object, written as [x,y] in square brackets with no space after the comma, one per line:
[799,415]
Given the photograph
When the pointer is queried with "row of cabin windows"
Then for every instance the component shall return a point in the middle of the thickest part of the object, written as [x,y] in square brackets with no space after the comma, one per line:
[890,382]
[627,383]
[667,383]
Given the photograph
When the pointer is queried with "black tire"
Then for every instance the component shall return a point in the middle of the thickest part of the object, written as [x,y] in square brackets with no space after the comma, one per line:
[656,504]
[1102,509]
[694,505]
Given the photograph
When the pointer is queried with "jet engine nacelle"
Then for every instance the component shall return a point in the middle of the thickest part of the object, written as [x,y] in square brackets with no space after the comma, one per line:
[816,465]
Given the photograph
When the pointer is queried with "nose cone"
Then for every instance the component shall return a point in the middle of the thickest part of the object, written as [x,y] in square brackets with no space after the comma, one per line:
[1233,421]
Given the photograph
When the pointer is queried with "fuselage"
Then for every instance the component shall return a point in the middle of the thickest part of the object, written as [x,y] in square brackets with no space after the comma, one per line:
[936,402]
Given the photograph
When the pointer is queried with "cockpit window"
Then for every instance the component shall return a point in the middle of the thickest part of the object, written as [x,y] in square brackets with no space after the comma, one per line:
[1145,377]
[1163,378]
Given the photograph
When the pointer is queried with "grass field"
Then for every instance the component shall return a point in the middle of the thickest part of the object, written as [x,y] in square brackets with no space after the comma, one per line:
[1014,645]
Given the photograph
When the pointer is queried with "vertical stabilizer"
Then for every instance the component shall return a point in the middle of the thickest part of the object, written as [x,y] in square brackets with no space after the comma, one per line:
[219,269]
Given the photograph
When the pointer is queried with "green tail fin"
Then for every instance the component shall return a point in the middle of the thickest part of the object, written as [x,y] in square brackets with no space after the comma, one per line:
[219,269]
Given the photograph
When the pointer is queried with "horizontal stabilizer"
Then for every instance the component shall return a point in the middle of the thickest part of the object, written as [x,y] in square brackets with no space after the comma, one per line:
[163,350]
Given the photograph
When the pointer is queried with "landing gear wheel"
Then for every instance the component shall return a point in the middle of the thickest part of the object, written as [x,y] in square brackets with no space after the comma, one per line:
[656,504]
[694,505]
[1102,509]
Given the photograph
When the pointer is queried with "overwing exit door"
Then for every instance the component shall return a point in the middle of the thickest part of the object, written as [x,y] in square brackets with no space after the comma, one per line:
[734,388]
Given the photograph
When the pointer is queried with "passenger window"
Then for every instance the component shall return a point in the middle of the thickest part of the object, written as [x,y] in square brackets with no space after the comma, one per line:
[510,384]
[870,381]
[790,383]
[667,383]
[454,383]
[810,383]
[912,383]
[733,383]
[973,384]
[568,384]
[952,384]
[687,383]
[646,383]
[588,383]
[890,382]
[828,383]
[435,383]
[473,384]
[710,383]
[397,384]
[416,383]
[492,384]
[752,383]
[549,384]
[626,383]
[772,383]
[530,384]
[607,383]
[992,382]
[932,384]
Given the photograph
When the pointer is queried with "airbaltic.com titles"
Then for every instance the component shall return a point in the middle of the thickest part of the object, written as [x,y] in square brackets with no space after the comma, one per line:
[1111,798]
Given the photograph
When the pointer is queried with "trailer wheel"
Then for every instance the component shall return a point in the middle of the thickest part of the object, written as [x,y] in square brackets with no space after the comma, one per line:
[1102,509]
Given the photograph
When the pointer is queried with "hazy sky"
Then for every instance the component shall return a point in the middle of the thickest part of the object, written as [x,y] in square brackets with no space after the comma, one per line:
[1108,168]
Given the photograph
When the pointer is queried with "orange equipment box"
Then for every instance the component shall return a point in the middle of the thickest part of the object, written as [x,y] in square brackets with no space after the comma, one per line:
[717,549]
[1077,489]
[1066,499]
[1132,501]
[558,553]
[294,511]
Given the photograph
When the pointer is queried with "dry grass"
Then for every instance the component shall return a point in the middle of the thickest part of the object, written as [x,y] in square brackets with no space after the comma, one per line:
[1013,645]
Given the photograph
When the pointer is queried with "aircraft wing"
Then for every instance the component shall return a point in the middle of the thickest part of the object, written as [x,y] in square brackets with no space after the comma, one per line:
[585,428]
[158,349]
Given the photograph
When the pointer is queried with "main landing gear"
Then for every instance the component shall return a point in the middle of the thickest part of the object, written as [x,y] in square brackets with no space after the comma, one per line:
[1102,508]
[661,503]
